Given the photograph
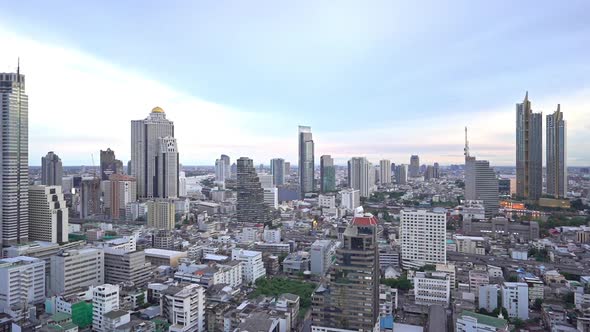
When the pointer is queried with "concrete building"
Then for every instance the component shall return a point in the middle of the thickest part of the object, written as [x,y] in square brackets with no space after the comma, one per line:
[529,151]
[90,193]
[500,226]
[105,298]
[423,238]
[22,284]
[250,194]
[556,154]
[470,244]
[271,197]
[414,168]
[327,201]
[306,161]
[481,183]
[167,168]
[73,270]
[401,174]
[48,214]
[164,257]
[271,235]
[515,298]
[51,170]
[469,321]
[221,169]
[277,169]
[252,265]
[353,284]
[119,190]
[321,256]
[161,214]
[184,308]
[109,165]
[126,267]
[14,159]
[488,297]
[350,199]
[145,147]
[327,174]
[432,288]
[136,210]
[182,184]
[478,279]
[385,171]
[360,176]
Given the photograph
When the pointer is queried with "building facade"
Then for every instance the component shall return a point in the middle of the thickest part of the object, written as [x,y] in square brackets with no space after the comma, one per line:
[73,270]
[529,151]
[423,238]
[250,194]
[277,169]
[401,174]
[22,284]
[109,165]
[359,176]
[327,174]
[385,171]
[556,154]
[51,170]
[161,214]
[119,190]
[252,265]
[515,299]
[414,168]
[306,161]
[184,308]
[167,168]
[48,214]
[105,299]
[126,267]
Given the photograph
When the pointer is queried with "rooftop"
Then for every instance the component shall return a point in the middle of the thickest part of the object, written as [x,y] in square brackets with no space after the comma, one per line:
[486,320]
[163,252]
[115,314]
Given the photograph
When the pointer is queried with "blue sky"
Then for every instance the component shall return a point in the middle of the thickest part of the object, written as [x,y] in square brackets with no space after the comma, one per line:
[382,79]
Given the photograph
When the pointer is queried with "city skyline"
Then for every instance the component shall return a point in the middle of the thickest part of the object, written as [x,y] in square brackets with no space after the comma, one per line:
[435,132]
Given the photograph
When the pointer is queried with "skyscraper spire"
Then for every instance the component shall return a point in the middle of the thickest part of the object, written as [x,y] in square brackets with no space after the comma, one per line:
[466,149]
[526,96]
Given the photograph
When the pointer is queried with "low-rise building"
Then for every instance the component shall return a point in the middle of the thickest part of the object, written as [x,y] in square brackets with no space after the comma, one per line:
[469,321]
[432,288]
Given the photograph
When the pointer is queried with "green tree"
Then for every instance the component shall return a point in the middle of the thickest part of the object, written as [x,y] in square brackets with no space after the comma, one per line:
[538,304]
[517,322]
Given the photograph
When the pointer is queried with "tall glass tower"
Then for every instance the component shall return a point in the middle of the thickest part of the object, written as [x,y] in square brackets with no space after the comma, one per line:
[556,154]
[327,174]
[529,151]
[306,161]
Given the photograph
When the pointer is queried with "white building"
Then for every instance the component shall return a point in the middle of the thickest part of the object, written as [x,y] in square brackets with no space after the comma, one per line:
[22,282]
[105,298]
[451,272]
[327,201]
[322,252]
[272,235]
[387,300]
[423,238]
[385,171]
[361,176]
[478,279]
[469,321]
[473,209]
[351,199]
[432,288]
[252,265]
[48,214]
[221,169]
[266,180]
[250,234]
[182,184]
[515,298]
[135,210]
[271,197]
[488,297]
[184,308]
[73,270]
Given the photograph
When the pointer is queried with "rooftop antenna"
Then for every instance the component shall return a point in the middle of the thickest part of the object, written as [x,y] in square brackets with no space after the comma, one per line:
[466,149]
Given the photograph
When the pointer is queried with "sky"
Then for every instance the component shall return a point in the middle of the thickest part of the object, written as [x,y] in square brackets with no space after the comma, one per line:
[381,79]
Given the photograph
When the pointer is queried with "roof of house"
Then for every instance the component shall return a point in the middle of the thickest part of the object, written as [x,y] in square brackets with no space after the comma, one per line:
[486,320]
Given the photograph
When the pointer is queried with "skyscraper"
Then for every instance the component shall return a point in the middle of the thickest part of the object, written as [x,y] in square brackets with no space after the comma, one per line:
[109,164]
[145,147]
[14,159]
[401,174]
[306,161]
[51,170]
[350,298]
[226,160]
[556,154]
[529,151]
[414,166]
[220,170]
[481,182]
[385,171]
[250,194]
[359,175]
[327,174]
[161,214]
[89,197]
[167,168]
[277,169]
[423,238]
[48,214]
[119,190]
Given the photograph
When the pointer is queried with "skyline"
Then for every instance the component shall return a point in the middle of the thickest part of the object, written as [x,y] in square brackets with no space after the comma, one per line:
[255,101]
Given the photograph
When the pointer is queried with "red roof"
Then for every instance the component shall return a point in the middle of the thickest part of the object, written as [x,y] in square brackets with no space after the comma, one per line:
[366,220]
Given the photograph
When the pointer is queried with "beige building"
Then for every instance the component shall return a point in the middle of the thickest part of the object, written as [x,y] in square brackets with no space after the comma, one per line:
[161,214]
[48,214]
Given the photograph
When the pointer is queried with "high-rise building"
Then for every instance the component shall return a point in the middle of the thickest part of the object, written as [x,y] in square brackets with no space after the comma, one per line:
[271,197]
[74,270]
[220,170]
[287,169]
[22,284]
[306,161]
[89,197]
[432,288]
[109,165]
[360,173]
[423,238]
[48,214]
[51,170]
[167,168]
[119,190]
[385,171]
[414,166]
[145,147]
[556,154]
[327,174]
[529,151]
[130,267]
[349,300]
[250,194]
[350,199]
[182,184]
[227,170]
[321,256]
[481,182]
[277,169]
[401,174]
[105,298]
[184,308]
[161,214]
[14,159]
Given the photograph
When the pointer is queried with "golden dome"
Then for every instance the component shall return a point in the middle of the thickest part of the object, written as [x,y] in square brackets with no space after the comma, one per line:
[157,109]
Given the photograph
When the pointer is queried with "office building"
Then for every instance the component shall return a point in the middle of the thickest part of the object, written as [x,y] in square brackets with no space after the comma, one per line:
[184,308]
[515,299]
[250,194]
[22,284]
[327,201]
[350,199]
[167,168]
[227,168]
[529,151]
[126,267]
[306,161]
[90,193]
[52,171]
[469,321]
[277,169]
[14,159]
[385,171]
[48,214]
[74,270]
[401,174]
[109,165]
[327,174]
[432,288]
[119,190]
[271,235]
[423,238]
[349,300]
[556,154]
[159,257]
[470,244]
[271,197]
[220,170]
[266,180]
[287,169]
[414,166]
[105,299]
[182,184]
[361,176]
[488,297]
[161,214]
[321,256]
[481,182]
[252,265]
[145,147]
[499,226]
